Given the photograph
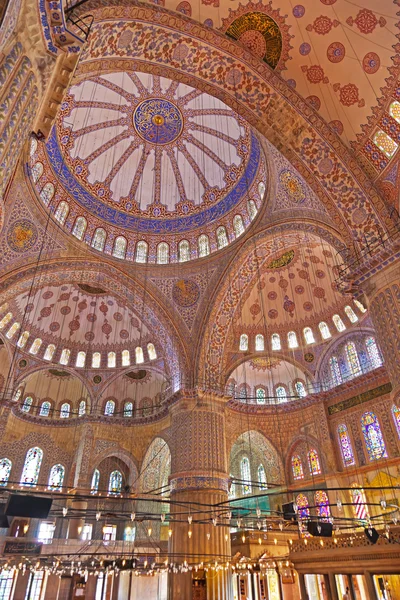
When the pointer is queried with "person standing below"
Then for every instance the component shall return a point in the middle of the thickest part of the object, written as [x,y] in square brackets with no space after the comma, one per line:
[346,595]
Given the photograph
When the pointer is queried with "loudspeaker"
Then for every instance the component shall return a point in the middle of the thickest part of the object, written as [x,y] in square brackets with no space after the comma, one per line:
[28,506]
[288,512]
[320,529]
[372,534]
[3,519]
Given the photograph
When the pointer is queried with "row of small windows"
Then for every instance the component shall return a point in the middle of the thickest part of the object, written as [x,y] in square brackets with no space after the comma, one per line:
[351,364]
[280,392]
[46,409]
[383,140]
[313,461]
[321,502]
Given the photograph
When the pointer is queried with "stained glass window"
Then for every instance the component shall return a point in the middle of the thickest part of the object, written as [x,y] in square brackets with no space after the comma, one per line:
[322,503]
[141,252]
[281,393]
[79,228]
[345,446]
[34,349]
[260,395]
[5,470]
[360,306]
[17,395]
[184,251]
[251,209]
[13,330]
[261,189]
[373,352]
[373,436]
[259,342]
[139,356]
[23,338]
[151,351]
[385,143]
[313,462]
[111,360]
[238,225]
[222,238]
[56,478]
[262,477]
[96,360]
[126,358]
[276,341]
[48,355]
[65,411]
[80,359]
[26,407]
[244,342]
[120,247]
[396,417]
[128,409]
[394,110]
[308,335]
[45,409]
[352,358]
[245,475]
[82,408]
[115,483]
[204,245]
[37,171]
[5,320]
[360,507]
[62,212]
[350,314]
[33,147]
[99,239]
[64,358]
[109,408]
[243,391]
[300,389]
[33,461]
[47,193]
[340,326]
[94,486]
[297,468]
[335,370]
[303,510]
[163,253]
[324,329]
[292,339]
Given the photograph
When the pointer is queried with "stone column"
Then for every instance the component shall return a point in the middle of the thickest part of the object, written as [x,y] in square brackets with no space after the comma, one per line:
[199,478]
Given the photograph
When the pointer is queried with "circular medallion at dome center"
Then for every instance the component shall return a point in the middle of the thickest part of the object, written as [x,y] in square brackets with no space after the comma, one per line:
[158,121]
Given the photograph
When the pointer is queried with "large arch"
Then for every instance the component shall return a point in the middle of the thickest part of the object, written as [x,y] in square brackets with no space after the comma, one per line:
[259,450]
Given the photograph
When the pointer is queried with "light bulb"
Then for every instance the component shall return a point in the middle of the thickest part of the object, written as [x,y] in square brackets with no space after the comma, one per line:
[170,532]
[65,511]
[190,519]
[133,515]
[98,515]
[215,521]
[189,534]
[208,535]
[162,517]
[258,512]
[149,531]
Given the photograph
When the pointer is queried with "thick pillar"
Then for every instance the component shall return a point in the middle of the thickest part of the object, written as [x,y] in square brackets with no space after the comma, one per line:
[199,479]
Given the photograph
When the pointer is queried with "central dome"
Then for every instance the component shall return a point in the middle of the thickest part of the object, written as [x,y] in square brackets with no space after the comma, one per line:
[158,121]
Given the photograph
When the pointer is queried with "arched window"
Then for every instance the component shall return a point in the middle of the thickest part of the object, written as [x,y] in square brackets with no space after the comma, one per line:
[261,189]
[61,213]
[303,510]
[394,110]
[37,171]
[297,468]
[31,470]
[56,478]
[115,483]
[259,342]
[5,320]
[33,147]
[335,370]
[243,392]
[126,358]
[324,329]
[162,253]
[45,409]
[351,315]
[340,326]
[139,355]
[109,408]
[308,335]
[300,389]
[111,360]
[64,358]
[313,462]
[244,342]
[251,209]
[47,193]
[322,503]
[396,418]
[120,247]
[260,395]
[26,407]
[352,358]
[79,228]
[262,478]
[360,507]
[184,251]
[48,355]
[245,475]
[281,394]
[373,352]
[276,341]
[385,143]
[345,446]
[34,349]
[65,411]
[80,359]
[373,436]
[17,395]
[151,351]
[128,409]
[5,470]
[23,338]
[292,339]
[13,330]
[204,245]
[99,239]
[94,486]
[96,360]
[141,252]
[360,306]
[82,408]
[222,238]
[238,226]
